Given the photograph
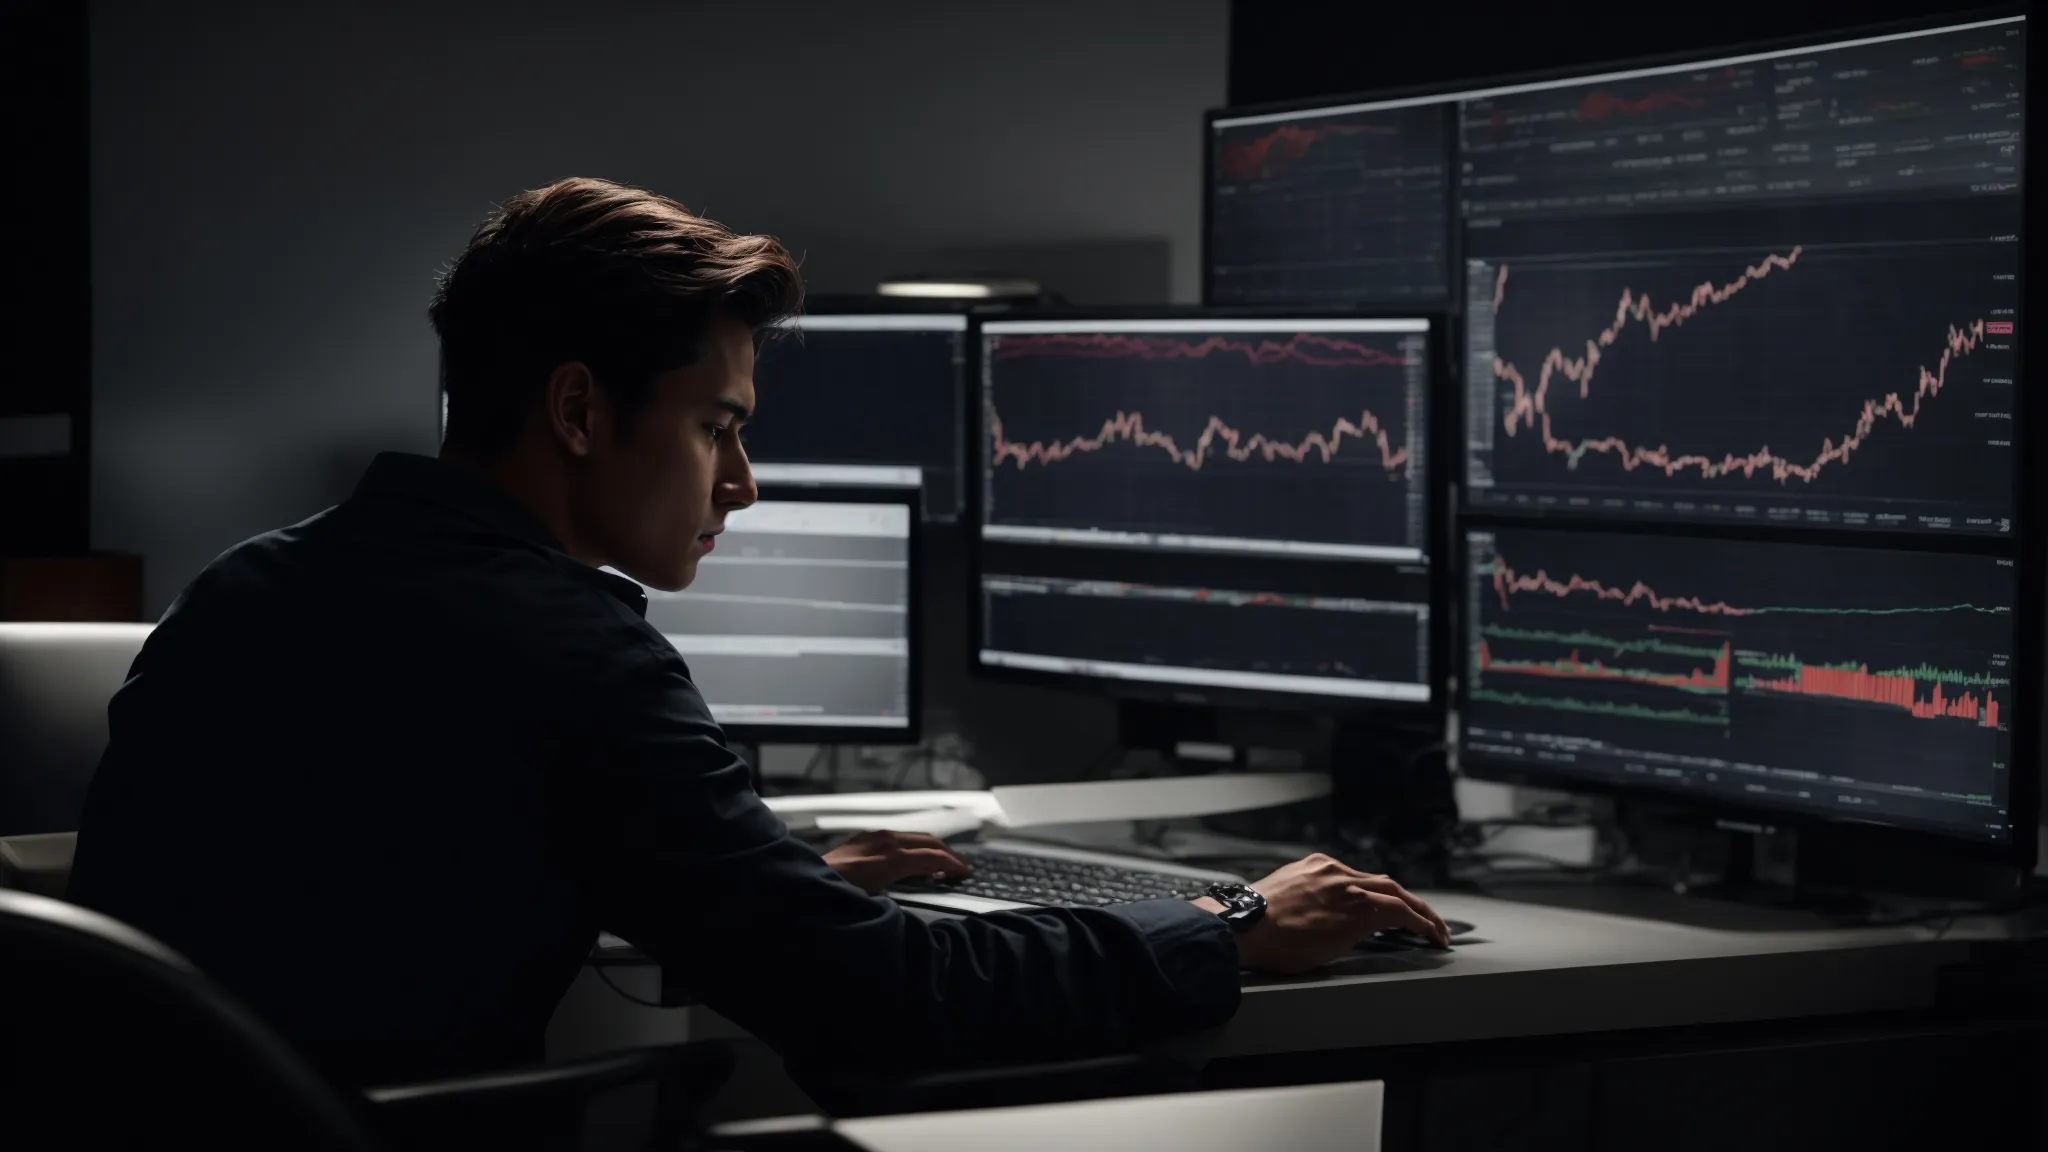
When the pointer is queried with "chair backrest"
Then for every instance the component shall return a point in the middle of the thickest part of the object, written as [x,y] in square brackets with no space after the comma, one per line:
[111,1039]
[55,681]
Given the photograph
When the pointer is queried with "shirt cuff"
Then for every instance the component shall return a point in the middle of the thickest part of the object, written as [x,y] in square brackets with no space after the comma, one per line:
[1196,953]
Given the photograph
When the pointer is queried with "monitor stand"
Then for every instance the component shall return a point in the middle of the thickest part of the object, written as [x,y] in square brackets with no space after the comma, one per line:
[1710,869]
[1760,869]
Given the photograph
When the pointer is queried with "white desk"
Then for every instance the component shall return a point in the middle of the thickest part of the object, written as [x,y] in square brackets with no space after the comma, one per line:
[1537,970]
[1318,1118]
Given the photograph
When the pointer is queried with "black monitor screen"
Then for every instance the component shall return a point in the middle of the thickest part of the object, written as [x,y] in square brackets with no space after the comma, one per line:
[1835,681]
[1221,504]
[864,400]
[1779,288]
[800,617]
[1330,206]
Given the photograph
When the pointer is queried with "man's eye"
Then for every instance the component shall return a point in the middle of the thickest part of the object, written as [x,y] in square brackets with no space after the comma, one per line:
[717,431]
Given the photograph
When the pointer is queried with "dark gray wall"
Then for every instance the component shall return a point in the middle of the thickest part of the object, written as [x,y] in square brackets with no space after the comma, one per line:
[274,188]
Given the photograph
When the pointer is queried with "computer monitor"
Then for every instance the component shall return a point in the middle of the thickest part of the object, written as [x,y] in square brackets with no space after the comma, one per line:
[1775,288]
[1738,330]
[801,626]
[865,398]
[1208,506]
[1824,680]
[1778,288]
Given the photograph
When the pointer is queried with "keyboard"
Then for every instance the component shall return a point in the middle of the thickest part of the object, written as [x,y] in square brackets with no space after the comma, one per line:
[1031,878]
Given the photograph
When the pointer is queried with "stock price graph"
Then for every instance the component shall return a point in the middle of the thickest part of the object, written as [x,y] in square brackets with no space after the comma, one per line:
[1821,678]
[1257,438]
[1329,208]
[1850,385]
[1261,640]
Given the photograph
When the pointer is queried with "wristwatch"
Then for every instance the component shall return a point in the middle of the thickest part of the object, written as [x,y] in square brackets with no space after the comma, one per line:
[1242,904]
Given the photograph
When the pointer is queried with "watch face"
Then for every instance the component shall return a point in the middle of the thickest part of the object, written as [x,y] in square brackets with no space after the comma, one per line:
[1238,898]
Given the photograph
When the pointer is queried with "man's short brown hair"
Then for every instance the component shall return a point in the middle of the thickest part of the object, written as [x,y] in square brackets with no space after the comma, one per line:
[615,277]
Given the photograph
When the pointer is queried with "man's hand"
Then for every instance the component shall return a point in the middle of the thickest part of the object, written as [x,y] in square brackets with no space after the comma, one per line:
[875,860]
[1317,909]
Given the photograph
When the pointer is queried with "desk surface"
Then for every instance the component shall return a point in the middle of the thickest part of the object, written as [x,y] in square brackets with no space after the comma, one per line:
[1322,1116]
[1539,969]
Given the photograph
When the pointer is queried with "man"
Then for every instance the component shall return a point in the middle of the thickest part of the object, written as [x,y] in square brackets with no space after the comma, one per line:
[387,772]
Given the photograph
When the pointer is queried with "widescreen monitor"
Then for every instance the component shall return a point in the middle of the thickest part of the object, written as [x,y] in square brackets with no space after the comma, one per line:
[1202,506]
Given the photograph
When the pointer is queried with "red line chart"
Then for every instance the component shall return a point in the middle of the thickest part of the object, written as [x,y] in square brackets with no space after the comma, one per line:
[1246,158]
[1530,407]
[1129,427]
[1308,347]
[1600,103]
[1508,582]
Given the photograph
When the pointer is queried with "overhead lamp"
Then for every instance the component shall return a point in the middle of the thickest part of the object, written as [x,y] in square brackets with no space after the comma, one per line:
[959,288]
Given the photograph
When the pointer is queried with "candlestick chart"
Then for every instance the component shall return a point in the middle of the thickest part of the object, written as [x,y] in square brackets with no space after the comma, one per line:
[1330,208]
[1883,676]
[1851,385]
[1254,436]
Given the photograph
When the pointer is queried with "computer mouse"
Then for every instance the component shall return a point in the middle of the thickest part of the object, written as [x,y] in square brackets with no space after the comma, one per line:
[1404,938]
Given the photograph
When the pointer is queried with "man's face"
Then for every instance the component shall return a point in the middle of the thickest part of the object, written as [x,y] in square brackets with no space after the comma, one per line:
[659,496]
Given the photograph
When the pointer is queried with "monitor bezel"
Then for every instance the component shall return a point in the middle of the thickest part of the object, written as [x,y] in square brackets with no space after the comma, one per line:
[1435,514]
[913,732]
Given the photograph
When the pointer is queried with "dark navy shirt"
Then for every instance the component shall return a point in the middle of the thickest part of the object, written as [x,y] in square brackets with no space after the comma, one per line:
[386,773]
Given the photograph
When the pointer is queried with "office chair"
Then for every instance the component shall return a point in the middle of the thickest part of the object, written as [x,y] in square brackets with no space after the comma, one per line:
[112,1040]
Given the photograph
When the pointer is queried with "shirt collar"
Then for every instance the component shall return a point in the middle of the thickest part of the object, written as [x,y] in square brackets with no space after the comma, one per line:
[459,490]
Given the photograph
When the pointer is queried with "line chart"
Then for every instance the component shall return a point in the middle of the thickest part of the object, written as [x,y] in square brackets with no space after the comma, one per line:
[1330,209]
[1742,665]
[1303,436]
[1868,386]
[1236,445]
[1602,103]
[1528,408]
[1507,582]
[1259,155]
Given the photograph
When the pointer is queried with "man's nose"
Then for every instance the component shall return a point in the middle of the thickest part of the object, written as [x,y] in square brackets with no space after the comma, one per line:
[736,487]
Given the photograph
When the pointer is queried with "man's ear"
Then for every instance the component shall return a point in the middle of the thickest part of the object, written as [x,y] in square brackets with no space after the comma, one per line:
[569,406]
